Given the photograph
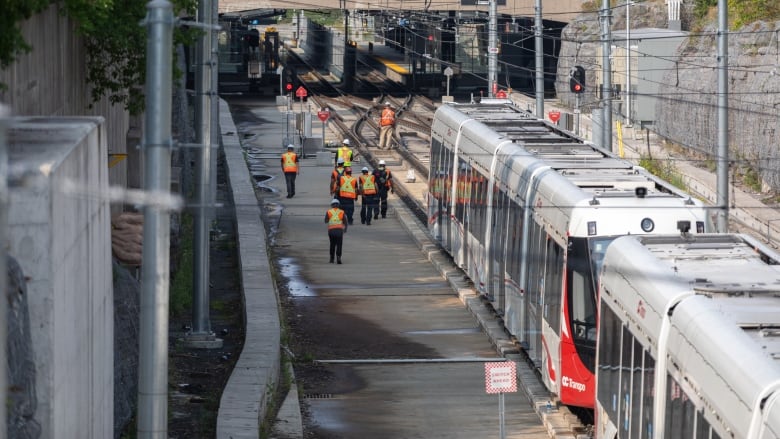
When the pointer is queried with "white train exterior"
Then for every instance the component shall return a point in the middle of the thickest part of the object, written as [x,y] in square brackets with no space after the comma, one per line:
[527,210]
[688,339]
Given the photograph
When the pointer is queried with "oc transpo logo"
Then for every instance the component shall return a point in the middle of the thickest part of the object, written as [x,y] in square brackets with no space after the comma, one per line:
[570,383]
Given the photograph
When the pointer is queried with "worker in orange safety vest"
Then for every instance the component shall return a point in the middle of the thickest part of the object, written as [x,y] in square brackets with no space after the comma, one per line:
[367,188]
[290,169]
[348,193]
[337,227]
[335,176]
[386,124]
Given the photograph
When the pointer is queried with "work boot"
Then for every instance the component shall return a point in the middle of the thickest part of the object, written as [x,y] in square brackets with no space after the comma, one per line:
[338,261]
[331,259]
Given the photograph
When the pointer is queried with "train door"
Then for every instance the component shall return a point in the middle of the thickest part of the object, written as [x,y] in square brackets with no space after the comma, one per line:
[551,312]
[497,252]
[534,288]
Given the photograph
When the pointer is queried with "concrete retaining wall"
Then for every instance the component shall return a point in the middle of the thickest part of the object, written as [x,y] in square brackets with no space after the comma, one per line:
[61,237]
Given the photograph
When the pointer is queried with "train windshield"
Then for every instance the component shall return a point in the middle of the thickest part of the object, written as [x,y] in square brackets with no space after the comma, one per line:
[584,265]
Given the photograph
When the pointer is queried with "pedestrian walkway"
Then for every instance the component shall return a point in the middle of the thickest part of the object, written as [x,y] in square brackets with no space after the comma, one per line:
[758,219]
[392,273]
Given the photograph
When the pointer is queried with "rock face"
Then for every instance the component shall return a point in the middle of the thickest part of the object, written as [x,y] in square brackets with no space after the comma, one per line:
[687,109]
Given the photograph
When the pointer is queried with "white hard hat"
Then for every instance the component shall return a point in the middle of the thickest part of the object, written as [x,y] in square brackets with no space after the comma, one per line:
[387,103]
[381,162]
[346,141]
[365,169]
[291,146]
[340,160]
[334,202]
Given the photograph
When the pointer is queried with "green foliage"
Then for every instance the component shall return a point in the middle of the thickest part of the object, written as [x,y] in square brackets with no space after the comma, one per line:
[116,46]
[702,7]
[748,11]
[12,43]
[663,169]
[114,37]
[181,284]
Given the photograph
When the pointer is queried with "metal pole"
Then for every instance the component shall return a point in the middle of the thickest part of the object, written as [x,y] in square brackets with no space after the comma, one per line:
[200,264]
[539,45]
[577,115]
[606,35]
[628,63]
[501,432]
[492,49]
[723,118]
[4,112]
[153,347]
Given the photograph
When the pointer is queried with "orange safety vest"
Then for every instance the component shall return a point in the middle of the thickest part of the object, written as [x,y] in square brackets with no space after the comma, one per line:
[289,162]
[368,184]
[345,153]
[388,117]
[335,218]
[348,187]
[335,176]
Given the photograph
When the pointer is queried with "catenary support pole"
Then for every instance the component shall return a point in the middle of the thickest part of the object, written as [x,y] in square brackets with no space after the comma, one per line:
[492,49]
[723,118]
[539,46]
[4,113]
[606,66]
[153,355]
[200,270]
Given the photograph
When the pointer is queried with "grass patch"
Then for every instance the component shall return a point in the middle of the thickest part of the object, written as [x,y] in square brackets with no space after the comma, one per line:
[663,169]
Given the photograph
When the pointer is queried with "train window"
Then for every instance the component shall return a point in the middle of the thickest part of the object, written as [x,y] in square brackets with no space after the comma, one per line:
[648,396]
[636,389]
[598,247]
[552,283]
[609,362]
[627,355]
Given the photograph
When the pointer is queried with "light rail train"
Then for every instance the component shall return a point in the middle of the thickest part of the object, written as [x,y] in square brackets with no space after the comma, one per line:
[689,338]
[527,210]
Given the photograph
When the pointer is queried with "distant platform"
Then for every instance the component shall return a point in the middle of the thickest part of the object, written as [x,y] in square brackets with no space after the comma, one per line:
[387,60]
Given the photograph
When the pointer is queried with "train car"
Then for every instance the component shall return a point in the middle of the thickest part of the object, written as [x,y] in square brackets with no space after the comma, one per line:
[527,210]
[688,338]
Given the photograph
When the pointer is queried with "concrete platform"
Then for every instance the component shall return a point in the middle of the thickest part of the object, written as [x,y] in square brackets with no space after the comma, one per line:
[407,290]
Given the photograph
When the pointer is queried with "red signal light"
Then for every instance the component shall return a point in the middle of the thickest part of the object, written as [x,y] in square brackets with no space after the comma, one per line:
[577,88]
[288,86]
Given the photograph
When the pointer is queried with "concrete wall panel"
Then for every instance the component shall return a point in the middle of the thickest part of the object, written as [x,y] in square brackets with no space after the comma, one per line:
[68,258]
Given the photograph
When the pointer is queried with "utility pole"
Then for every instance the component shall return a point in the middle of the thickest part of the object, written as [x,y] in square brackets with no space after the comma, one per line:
[205,115]
[628,63]
[606,88]
[723,118]
[539,45]
[155,275]
[492,50]
[4,113]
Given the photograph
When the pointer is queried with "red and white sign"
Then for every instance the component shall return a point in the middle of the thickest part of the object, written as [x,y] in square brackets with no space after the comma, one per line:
[301,92]
[501,377]
[555,115]
[501,94]
[323,114]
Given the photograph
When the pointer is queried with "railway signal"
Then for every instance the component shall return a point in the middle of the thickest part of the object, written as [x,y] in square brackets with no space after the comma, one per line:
[577,80]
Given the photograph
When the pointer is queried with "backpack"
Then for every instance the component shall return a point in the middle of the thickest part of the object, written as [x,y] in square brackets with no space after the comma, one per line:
[382,178]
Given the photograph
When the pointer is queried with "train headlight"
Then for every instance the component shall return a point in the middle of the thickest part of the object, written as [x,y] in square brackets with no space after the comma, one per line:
[647,225]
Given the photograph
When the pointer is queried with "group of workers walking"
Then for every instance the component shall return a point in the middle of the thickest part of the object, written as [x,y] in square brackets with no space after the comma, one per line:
[345,188]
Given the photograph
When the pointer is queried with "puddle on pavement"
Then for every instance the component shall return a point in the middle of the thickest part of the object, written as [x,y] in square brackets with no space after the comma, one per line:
[295,285]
